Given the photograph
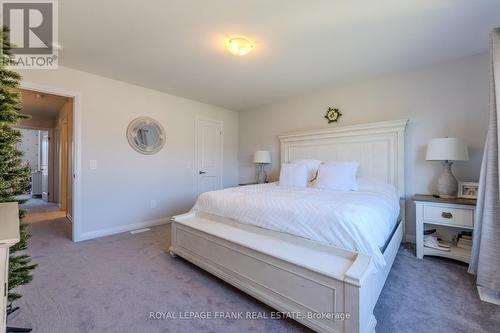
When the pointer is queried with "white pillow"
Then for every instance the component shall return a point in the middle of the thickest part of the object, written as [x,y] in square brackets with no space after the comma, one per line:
[311,165]
[293,175]
[337,176]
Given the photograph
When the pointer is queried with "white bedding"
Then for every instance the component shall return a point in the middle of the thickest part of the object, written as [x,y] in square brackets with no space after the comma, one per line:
[358,220]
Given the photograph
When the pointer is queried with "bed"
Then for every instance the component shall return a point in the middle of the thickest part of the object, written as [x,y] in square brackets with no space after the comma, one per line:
[325,278]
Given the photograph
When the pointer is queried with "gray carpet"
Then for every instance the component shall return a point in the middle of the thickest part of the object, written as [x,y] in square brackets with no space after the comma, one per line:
[37,205]
[112,284]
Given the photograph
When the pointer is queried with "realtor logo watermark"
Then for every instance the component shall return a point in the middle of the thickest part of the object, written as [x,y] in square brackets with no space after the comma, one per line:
[33,33]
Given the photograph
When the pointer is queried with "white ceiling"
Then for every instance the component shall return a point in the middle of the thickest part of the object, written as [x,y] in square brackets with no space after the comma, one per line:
[176,46]
[38,104]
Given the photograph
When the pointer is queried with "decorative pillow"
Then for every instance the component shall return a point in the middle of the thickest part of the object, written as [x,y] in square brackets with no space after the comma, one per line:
[337,176]
[293,175]
[311,165]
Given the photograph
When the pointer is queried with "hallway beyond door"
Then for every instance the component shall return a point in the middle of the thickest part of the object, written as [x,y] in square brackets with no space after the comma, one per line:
[40,210]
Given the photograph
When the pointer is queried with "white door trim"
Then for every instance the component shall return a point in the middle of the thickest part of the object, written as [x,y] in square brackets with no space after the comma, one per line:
[196,149]
[77,137]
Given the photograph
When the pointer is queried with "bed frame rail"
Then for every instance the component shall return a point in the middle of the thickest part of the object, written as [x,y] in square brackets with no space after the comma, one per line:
[327,289]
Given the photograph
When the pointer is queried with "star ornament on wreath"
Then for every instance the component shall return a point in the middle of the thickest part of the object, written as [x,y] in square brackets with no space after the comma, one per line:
[333,115]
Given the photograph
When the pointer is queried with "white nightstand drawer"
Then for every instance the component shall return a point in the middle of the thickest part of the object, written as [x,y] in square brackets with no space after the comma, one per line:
[448,215]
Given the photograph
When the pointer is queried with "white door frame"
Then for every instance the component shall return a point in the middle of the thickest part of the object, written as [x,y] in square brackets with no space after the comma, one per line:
[51,166]
[77,153]
[196,149]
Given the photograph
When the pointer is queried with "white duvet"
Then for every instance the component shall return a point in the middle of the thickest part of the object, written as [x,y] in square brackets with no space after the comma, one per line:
[358,220]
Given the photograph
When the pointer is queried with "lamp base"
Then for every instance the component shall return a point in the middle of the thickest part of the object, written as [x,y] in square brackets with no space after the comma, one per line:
[262,175]
[447,183]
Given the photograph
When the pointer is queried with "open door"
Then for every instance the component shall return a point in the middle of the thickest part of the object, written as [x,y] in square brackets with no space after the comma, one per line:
[44,163]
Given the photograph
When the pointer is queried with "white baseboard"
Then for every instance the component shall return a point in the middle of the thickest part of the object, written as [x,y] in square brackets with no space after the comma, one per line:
[488,295]
[123,228]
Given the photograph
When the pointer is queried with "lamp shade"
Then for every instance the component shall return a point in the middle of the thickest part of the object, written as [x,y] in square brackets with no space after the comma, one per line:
[262,156]
[447,149]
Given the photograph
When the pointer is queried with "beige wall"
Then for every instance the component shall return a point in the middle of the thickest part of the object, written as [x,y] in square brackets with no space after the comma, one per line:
[447,99]
[118,193]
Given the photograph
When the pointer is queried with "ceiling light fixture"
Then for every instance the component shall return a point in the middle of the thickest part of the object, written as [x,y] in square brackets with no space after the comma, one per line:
[239,46]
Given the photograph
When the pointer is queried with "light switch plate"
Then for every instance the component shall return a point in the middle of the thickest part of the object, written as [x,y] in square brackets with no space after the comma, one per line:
[93,164]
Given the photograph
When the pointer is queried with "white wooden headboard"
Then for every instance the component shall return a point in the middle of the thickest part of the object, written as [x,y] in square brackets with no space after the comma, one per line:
[378,147]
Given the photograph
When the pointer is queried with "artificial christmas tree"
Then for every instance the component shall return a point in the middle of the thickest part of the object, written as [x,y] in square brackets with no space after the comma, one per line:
[14,178]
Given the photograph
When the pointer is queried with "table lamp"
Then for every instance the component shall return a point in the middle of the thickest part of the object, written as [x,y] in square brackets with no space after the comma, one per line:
[262,157]
[447,150]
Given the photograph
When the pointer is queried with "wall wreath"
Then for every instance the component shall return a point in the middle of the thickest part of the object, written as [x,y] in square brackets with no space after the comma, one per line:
[333,115]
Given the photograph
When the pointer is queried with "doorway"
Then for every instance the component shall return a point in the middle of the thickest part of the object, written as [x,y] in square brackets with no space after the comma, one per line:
[51,118]
[208,159]
[44,165]
[34,145]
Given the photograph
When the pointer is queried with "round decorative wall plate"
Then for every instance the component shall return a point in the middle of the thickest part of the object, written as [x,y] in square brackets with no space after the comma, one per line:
[333,115]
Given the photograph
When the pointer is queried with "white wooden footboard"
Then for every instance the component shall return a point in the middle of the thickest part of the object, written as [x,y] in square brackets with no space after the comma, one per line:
[314,284]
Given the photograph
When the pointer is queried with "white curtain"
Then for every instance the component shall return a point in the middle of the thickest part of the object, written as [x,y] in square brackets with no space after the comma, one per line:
[485,261]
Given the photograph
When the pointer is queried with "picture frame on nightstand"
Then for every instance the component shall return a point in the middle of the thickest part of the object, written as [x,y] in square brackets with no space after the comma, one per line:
[468,190]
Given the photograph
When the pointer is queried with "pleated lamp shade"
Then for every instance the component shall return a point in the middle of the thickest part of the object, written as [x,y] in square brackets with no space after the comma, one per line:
[447,149]
[262,156]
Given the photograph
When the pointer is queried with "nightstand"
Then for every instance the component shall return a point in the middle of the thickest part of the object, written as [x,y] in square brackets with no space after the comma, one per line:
[448,216]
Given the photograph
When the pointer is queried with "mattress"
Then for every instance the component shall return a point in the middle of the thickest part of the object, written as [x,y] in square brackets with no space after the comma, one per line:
[360,220]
